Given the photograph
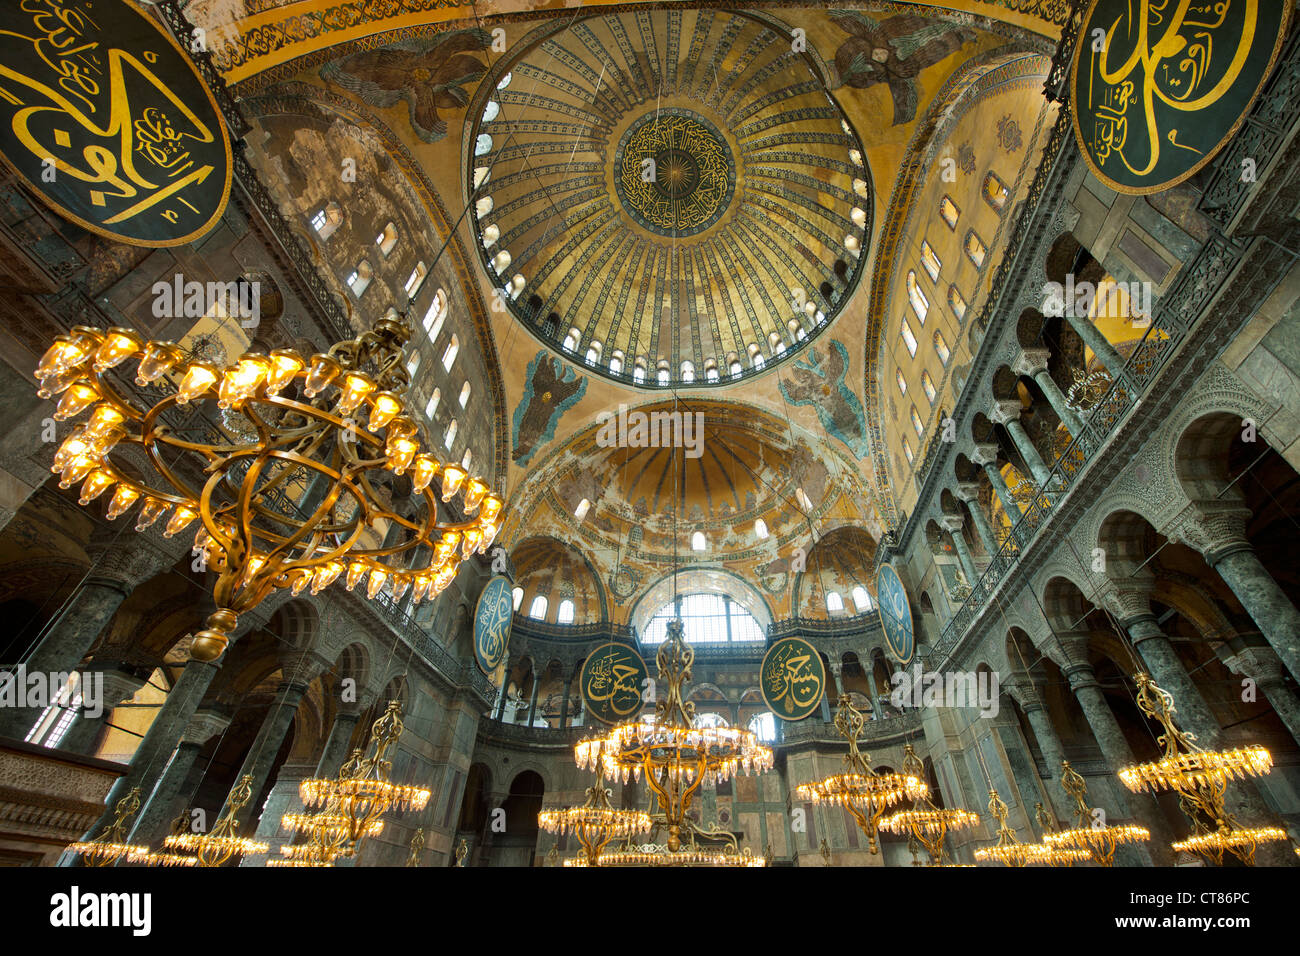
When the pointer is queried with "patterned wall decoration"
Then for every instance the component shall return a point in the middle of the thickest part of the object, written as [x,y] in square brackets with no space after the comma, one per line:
[819,381]
[894,52]
[550,389]
[430,75]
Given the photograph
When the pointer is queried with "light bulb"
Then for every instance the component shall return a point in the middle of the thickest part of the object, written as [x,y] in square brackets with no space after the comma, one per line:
[285,364]
[118,346]
[354,389]
[250,572]
[123,498]
[61,356]
[323,371]
[199,377]
[77,469]
[179,520]
[158,359]
[422,583]
[299,582]
[422,472]
[78,397]
[54,384]
[400,453]
[239,383]
[470,541]
[490,508]
[103,420]
[95,485]
[489,534]
[102,442]
[325,575]
[446,545]
[375,583]
[150,511]
[355,572]
[400,583]
[474,493]
[74,446]
[452,476]
[384,407]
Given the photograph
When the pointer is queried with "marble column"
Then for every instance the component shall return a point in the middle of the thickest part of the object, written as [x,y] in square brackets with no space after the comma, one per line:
[564,705]
[116,570]
[833,672]
[1007,414]
[283,798]
[1033,362]
[172,793]
[953,525]
[338,742]
[266,745]
[969,493]
[1218,531]
[1096,340]
[1262,666]
[121,681]
[987,456]
[532,703]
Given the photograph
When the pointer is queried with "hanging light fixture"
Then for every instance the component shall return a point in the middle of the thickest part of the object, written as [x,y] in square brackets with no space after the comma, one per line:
[1008,850]
[286,500]
[596,822]
[111,846]
[924,822]
[224,843]
[1089,833]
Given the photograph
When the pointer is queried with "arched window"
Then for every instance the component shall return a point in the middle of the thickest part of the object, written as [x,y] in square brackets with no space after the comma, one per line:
[450,438]
[927,386]
[538,610]
[662,376]
[432,405]
[449,356]
[584,506]
[756,357]
[930,261]
[711,371]
[413,364]
[688,371]
[570,343]
[593,353]
[760,529]
[949,212]
[775,343]
[916,422]
[327,219]
[638,372]
[861,599]
[901,380]
[416,279]
[995,192]
[735,369]
[698,541]
[565,614]
[518,596]
[436,314]
[505,81]
[616,362]
[359,280]
[805,502]
[908,338]
[920,304]
[710,720]
[482,145]
[834,602]
[387,239]
[763,726]
[975,249]
[491,111]
[941,347]
[907,450]
[464,395]
[705,618]
[956,303]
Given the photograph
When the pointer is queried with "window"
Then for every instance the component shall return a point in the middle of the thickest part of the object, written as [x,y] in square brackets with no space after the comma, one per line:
[505,81]
[482,145]
[956,303]
[916,422]
[711,373]
[861,599]
[735,369]
[570,342]
[436,315]
[804,501]
[920,304]
[327,219]
[975,249]
[662,375]
[941,347]
[688,371]
[698,541]
[580,512]
[638,373]
[616,362]
[491,111]
[927,386]
[796,330]
[450,438]
[318,221]
[432,405]
[416,279]
[763,726]
[449,356]
[705,618]
[949,212]
[909,338]
[413,364]
[774,343]
[464,395]
[710,720]
[756,358]
[995,192]
[760,529]
[593,353]
[907,450]
[464,462]
[518,596]
[902,382]
[387,239]
[930,261]
[565,614]
[56,719]
[834,602]
[360,278]
[538,610]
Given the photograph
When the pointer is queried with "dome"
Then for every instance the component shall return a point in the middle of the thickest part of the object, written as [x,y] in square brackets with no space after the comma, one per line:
[676,199]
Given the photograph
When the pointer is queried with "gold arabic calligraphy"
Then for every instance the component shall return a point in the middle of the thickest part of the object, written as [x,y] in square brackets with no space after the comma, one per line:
[691,170]
[612,683]
[791,682]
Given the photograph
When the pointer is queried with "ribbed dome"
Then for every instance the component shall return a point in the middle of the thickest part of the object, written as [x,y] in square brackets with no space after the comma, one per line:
[671,196]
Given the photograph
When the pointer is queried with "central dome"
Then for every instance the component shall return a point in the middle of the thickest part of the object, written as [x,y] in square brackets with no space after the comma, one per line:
[669,197]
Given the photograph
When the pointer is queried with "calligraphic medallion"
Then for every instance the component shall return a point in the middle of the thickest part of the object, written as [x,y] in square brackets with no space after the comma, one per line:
[895,614]
[673,172]
[104,117]
[492,617]
[1158,88]
[612,678]
[792,678]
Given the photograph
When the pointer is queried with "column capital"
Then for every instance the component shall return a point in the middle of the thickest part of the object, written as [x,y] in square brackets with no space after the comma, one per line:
[204,725]
[951,523]
[125,563]
[1214,528]
[1129,602]
[1261,664]
[985,453]
[1005,410]
[1031,361]
[967,491]
[1023,692]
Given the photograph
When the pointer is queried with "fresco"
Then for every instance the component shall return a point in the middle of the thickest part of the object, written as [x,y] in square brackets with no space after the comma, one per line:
[550,389]
[819,381]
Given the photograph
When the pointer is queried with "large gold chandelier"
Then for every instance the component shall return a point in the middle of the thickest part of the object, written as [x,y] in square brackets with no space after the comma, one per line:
[223,843]
[1200,778]
[111,846]
[1010,851]
[676,758]
[1094,835]
[926,824]
[289,487]
[596,822]
[858,789]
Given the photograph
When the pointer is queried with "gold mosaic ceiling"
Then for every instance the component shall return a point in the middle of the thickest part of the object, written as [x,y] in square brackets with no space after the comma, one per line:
[676,185]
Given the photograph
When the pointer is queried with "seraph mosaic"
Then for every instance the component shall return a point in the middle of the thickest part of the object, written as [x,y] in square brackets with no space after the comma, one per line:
[550,389]
[894,52]
[431,75]
[819,381]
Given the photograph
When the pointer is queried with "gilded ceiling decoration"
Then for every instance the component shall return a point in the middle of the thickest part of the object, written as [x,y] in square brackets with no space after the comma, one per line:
[668,190]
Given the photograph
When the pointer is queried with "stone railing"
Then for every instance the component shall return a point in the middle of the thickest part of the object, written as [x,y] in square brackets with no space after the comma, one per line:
[523,626]
[814,730]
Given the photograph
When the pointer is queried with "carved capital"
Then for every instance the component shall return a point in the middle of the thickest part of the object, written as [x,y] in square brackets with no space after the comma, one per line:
[1258,663]
[1129,602]
[1030,362]
[1004,410]
[951,523]
[985,453]
[125,563]
[1023,692]
[204,725]
[968,491]
[1073,646]
[1214,528]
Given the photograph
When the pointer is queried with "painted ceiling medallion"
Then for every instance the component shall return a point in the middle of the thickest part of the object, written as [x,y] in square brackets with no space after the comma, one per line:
[674,173]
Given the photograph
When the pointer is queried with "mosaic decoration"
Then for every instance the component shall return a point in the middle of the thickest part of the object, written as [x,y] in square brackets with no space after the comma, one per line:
[1158,89]
[550,389]
[105,118]
[1009,134]
[675,173]
[819,381]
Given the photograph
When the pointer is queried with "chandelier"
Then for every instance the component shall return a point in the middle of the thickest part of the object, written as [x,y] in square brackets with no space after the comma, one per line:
[924,823]
[1009,851]
[1200,778]
[1099,839]
[858,789]
[1057,855]
[596,822]
[111,846]
[293,487]
[676,758]
[224,842]
[354,801]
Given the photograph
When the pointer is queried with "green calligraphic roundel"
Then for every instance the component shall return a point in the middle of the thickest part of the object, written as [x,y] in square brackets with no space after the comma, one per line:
[895,614]
[792,678]
[105,118]
[612,680]
[1157,89]
[492,617]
